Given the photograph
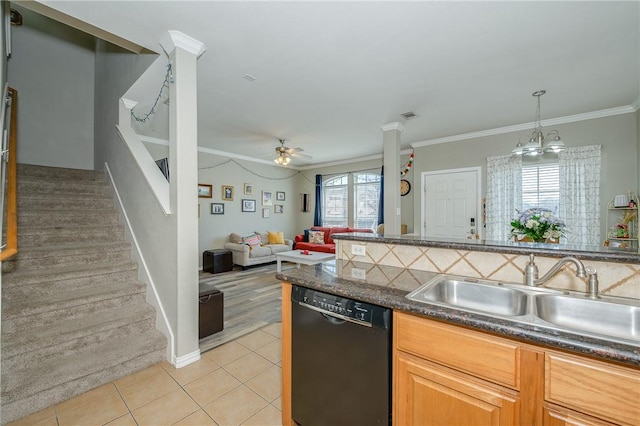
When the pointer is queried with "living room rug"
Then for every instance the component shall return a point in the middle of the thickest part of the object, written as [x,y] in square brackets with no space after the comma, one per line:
[252,300]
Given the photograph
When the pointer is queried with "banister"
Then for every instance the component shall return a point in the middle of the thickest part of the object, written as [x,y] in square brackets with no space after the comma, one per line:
[10,248]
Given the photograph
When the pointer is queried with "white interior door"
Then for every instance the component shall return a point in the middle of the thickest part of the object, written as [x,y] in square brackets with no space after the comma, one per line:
[450,203]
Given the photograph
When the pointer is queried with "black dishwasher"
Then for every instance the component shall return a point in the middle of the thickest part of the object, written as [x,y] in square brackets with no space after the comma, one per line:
[341,355]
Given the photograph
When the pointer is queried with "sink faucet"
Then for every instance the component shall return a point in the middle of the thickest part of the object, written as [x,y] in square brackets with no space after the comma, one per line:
[531,273]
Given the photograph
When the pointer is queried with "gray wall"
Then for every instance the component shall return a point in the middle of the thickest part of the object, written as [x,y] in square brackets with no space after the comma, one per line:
[617,135]
[52,68]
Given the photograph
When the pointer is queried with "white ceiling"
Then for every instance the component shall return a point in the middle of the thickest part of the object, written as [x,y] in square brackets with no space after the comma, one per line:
[329,74]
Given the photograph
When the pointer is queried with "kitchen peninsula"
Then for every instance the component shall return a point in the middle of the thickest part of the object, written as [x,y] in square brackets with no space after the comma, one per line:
[492,369]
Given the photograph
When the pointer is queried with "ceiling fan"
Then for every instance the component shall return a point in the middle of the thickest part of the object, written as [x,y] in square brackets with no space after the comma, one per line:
[285,154]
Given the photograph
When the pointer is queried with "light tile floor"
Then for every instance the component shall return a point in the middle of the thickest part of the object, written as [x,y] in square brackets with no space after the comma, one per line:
[237,383]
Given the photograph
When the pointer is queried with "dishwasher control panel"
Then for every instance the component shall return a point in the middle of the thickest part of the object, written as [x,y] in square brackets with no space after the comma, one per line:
[333,305]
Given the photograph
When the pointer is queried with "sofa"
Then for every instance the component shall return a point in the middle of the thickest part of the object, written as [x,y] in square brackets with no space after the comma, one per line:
[302,241]
[255,248]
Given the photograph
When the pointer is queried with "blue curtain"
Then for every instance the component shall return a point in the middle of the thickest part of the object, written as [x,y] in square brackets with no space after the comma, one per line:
[381,201]
[317,217]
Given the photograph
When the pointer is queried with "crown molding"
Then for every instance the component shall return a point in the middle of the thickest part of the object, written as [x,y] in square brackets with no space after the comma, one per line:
[173,39]
[351,160]
[396,125]
[528,126]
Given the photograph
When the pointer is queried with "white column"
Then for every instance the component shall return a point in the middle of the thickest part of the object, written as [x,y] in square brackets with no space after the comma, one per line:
[391,161]
[183,52]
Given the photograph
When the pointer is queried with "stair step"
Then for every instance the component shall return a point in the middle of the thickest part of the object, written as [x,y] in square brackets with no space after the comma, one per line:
[64,377]
[25,171]
[37,303]
[65,234]
[67,201]
[27,187]
[36,344]
[22,278]
[67,217]
[78,313]
[38,258]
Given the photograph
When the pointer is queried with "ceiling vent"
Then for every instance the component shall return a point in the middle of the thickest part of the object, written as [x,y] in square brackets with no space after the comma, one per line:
[408,115]
[249,77]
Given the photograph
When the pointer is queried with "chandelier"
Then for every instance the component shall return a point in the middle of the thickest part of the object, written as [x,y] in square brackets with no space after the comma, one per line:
[539,143]
[282,159]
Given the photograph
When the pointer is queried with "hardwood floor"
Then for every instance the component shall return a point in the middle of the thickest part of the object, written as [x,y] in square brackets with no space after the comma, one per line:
[252,300]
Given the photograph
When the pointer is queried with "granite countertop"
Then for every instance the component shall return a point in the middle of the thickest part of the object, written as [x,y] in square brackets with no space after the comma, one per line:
[388,286]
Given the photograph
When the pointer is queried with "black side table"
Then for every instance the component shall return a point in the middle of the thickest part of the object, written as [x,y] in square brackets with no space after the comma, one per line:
[217,260]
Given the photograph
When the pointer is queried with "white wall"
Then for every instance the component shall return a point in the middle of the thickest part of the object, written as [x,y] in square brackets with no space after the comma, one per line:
[617,135]
[52,68]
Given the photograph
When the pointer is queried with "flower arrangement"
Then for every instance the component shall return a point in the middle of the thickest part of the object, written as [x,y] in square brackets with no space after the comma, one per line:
[538,224]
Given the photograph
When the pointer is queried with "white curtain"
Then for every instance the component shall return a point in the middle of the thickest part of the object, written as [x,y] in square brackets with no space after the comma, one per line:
[504,195]
[580,194]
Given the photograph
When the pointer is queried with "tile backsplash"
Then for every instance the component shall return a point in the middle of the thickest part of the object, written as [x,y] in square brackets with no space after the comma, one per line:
[616,279]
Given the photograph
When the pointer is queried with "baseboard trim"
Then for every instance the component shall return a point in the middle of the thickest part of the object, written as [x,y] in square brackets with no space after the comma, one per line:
[183,361]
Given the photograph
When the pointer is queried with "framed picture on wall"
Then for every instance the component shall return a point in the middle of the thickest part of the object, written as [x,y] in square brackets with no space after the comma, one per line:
[266,198]
[248,189]
[266,212]
[278,209]
[279,196]
[217,208]
[248,205]
[227,193]
[205,191]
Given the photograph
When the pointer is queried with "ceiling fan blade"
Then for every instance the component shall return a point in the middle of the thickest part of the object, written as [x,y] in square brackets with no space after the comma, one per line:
[298,155]
[293,149]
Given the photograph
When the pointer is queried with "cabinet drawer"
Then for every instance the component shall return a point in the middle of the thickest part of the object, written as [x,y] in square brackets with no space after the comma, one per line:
[603,390]
[491,358]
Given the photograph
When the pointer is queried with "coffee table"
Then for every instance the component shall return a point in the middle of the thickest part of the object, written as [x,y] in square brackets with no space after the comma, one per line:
[296,256]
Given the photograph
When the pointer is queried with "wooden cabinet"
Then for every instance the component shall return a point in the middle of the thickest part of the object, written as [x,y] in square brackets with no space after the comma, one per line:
[429,394]
[607,392]
[449,375]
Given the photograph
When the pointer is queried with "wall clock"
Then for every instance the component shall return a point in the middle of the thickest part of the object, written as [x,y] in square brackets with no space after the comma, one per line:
[405,187]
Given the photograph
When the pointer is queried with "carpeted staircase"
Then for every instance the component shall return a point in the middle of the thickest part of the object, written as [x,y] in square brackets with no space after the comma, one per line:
[74,315]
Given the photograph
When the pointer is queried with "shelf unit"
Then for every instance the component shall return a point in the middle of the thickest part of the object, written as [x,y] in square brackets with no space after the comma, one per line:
[622,233]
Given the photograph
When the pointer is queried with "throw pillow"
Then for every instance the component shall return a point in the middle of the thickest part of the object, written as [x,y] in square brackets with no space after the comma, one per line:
[235,238]
[251,240]
[306,236]
[276,237]
[316,237]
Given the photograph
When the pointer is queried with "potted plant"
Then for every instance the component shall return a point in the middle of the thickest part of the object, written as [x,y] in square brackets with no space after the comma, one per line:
[537,225]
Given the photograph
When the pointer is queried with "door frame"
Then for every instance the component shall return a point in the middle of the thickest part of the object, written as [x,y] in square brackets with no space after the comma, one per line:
[423,191]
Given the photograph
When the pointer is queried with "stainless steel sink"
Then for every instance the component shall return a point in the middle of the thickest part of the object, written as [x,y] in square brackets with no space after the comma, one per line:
[610,318]
[473,295]
[602,317]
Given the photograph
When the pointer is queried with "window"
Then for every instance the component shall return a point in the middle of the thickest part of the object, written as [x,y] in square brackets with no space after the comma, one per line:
[351,200]
[335,202]
[366,191]
[541,186]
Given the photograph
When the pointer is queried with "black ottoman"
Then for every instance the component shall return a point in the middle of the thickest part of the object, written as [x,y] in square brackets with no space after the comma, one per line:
[218,260]
[210,312]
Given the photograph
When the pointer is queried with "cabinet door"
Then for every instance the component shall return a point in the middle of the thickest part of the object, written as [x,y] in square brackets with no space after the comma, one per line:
[556,416]
[429,394]
[592,387]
